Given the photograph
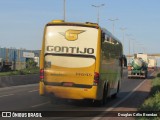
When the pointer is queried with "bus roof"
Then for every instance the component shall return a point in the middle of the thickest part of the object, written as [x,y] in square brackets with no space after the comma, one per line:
[110,35]
[62,22]
[86,24]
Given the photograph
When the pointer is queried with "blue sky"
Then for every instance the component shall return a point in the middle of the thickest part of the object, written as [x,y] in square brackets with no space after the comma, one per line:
[22,21]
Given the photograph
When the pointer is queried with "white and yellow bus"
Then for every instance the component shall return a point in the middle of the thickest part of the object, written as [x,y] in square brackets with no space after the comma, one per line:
[80,61]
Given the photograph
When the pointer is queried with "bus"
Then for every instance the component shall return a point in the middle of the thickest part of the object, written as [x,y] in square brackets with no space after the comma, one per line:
[80,61]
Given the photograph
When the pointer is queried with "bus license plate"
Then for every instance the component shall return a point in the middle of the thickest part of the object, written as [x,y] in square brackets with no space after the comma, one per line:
[68,84]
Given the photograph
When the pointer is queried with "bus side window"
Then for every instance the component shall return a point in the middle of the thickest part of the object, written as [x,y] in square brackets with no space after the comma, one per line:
[125,61]
[121,61]
[103,37]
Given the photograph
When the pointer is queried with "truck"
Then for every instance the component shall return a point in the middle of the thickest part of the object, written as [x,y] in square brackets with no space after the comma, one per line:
[138,68]
[143,56]
[5,65]
[152,63]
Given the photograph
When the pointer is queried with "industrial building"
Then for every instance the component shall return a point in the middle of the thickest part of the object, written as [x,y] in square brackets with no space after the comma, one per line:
[15,59]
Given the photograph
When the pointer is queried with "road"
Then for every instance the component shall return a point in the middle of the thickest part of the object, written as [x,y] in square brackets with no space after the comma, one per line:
[26,98]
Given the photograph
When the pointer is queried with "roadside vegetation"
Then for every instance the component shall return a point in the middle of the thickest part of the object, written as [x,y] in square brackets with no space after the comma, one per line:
[20,72]
[152,104]
[31,68]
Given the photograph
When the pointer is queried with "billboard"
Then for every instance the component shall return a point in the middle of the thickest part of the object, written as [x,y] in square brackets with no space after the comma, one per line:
[28,55]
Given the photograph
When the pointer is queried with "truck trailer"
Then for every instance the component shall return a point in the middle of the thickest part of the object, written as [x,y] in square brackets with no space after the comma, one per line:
[152,64]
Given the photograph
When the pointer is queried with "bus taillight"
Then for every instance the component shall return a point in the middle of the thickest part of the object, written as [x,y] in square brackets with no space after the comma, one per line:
[41,74]
[96,78]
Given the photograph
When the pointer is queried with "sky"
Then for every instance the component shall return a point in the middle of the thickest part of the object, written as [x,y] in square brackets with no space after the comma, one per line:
[22,21]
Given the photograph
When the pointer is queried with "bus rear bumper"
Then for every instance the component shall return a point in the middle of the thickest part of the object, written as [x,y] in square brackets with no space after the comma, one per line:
[71,92]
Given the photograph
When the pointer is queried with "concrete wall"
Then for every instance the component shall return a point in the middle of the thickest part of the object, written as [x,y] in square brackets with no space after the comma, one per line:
[6,81]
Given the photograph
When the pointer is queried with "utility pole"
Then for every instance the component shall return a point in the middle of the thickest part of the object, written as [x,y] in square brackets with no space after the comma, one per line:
[98,6]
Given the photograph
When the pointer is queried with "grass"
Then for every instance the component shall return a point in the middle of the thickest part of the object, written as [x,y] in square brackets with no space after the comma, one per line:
[158,75]
[152,104]
[20,72]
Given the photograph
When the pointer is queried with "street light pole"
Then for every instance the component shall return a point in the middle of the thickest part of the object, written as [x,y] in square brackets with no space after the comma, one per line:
[98,6]
[64,10]
[123,29]
[113,20]
[133,40]
[128,35]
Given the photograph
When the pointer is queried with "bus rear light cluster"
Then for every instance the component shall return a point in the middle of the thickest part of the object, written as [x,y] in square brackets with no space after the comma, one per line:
[96,78]
[41,74]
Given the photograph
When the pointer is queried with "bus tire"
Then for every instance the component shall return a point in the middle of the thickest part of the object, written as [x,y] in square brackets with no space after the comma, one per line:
[103,101]
[115,95]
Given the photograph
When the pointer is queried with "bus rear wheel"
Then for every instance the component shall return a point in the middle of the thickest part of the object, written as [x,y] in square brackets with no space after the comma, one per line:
[103,101]
[115,95]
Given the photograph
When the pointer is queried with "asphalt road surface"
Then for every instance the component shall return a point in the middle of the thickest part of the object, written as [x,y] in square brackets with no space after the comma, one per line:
[26,98]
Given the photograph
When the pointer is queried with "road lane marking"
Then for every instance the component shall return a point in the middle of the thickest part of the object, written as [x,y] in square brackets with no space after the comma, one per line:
[40,104]
[6,95]
[33,91]
[20,86]
[113,107]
